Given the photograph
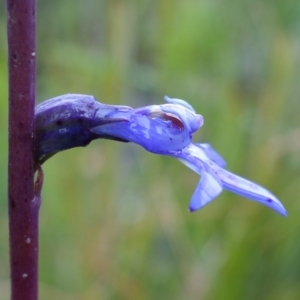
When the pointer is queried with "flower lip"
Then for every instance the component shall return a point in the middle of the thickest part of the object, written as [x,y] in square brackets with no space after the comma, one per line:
[205,161]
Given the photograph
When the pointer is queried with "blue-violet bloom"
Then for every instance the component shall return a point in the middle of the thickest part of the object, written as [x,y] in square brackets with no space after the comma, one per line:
[75,120]
[157,130]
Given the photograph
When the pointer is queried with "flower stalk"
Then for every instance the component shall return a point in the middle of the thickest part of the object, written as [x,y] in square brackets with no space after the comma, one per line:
[23,211]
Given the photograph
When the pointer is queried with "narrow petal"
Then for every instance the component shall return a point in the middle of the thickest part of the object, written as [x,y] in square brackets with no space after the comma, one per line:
[179,102]
[200,160]
[246,188]
[212,154]
[207,189]
[209,186]
[250,190]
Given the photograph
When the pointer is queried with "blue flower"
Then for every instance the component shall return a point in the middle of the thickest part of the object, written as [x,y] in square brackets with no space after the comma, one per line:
[75,120]
[167,129]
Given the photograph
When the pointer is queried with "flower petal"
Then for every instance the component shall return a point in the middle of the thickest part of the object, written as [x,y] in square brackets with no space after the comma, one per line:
[209,186]
[157,128]
[179,102]
[215,177]
[207,189]
[192,122]
[212,154]
[250,190]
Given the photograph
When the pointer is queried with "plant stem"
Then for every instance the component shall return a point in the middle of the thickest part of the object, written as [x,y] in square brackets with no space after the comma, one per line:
[23,212]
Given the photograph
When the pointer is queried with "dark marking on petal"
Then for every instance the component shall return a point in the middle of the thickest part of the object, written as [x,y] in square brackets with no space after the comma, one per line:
[174,120]
[192,209]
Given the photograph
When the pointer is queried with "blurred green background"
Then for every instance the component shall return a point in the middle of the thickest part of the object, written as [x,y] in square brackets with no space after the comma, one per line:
[114,222]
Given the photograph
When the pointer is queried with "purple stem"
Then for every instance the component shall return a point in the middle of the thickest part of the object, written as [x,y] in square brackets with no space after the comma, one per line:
[23,212]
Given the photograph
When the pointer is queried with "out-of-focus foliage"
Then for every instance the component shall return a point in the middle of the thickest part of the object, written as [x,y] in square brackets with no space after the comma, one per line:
[114,222]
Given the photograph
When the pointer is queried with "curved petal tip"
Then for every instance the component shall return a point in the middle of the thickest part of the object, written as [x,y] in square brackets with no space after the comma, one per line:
[276,206]
[179,102]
